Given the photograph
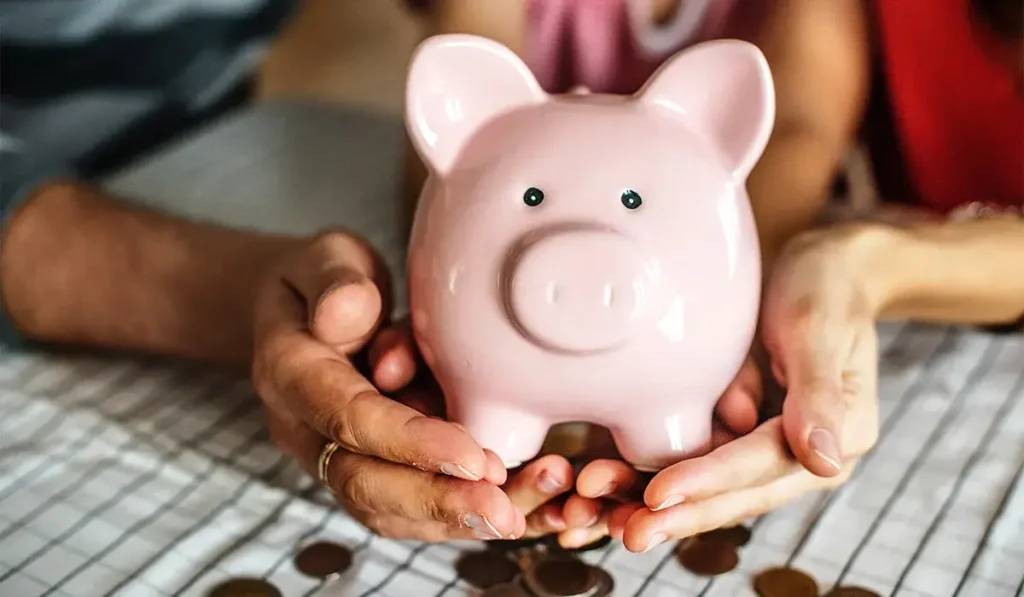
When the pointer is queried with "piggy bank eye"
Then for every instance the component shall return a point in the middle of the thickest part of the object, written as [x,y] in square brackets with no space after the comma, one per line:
[631,199]
[533,197]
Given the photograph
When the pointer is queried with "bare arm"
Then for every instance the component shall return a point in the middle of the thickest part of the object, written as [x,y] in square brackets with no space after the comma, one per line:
[965,273]
[78,267]
[820,59]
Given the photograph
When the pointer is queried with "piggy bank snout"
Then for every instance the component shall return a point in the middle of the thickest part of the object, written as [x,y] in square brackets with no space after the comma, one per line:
[577,290]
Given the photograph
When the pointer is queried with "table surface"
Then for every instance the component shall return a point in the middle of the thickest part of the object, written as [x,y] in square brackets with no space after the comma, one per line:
[141,478]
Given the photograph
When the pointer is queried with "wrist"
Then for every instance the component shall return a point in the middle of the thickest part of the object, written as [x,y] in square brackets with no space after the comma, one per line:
[880,263]
[869,258]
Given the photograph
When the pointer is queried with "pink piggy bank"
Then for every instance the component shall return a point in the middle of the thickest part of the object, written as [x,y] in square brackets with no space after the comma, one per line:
[586,257]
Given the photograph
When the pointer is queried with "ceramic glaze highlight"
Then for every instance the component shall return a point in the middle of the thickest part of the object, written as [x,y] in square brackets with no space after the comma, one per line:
[586,257]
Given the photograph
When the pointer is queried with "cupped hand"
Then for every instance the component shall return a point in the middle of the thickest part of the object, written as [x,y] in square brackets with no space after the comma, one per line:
[608,490]
[819,333]
[399,472]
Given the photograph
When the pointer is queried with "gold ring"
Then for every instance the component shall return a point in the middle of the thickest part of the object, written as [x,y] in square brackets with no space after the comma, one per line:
[325,461]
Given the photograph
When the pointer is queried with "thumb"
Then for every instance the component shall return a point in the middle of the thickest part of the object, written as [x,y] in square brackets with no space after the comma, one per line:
[813,410]
[336,279]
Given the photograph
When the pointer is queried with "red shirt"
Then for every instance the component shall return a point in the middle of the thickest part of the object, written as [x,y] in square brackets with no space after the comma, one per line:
[958,113]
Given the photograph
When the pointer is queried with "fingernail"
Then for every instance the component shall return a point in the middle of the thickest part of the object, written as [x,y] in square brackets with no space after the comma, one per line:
[672,500]
[482,527]
[547,483]
[457,470]
[655,541]
[554,520]
[592,520]
[823,443]
[608,490]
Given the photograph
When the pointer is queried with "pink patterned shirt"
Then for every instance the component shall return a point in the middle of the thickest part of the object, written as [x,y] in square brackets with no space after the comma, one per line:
[613,46]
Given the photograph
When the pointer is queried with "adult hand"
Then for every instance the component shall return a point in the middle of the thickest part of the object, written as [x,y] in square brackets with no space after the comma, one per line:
[818,328]
[399,472]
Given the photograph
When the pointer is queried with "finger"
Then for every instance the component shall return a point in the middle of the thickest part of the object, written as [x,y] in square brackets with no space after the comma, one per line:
[294,438]
[332,397]
[545,520]
[612,479]
[814,406]
[367,484]
[404,529]
[539,482]
[749,461]
[581,513]
[586,521]
[646,529]
[426,531]
[739,404]
[496,471]
[577,538]
[619,516]
[338,277]
[393,358]
[347,313]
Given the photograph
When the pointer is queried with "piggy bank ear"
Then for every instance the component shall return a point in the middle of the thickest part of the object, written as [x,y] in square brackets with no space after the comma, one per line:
[456,84]
[725,88]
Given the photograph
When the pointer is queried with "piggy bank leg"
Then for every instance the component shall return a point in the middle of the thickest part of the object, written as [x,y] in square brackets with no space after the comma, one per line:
[651,443]
[514,435]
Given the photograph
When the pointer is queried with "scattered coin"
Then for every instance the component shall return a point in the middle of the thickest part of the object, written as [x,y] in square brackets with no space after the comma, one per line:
[851,592]
[323,559]
[485,569]
[510,589]
[708,556]
[738,535]
[785,582]
[562,576]
[605,583]
[244,587]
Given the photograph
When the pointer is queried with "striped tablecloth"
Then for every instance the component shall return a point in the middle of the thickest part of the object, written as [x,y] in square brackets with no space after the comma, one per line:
[134,478]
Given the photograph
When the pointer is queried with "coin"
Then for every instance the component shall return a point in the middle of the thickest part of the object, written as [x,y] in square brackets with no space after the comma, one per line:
[785,582]
[738,535]
[605,583]
[510,589]
[851,592]
[485,569]
[244,587]
[562,576]
[708,557]
[323,559]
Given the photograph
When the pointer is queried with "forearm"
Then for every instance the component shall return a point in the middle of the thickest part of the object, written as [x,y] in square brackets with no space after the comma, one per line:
[963,273]
[80,268]
[789,187]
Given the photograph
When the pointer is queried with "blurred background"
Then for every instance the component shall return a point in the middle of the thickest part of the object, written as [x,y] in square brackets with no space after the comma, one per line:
[332,52]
